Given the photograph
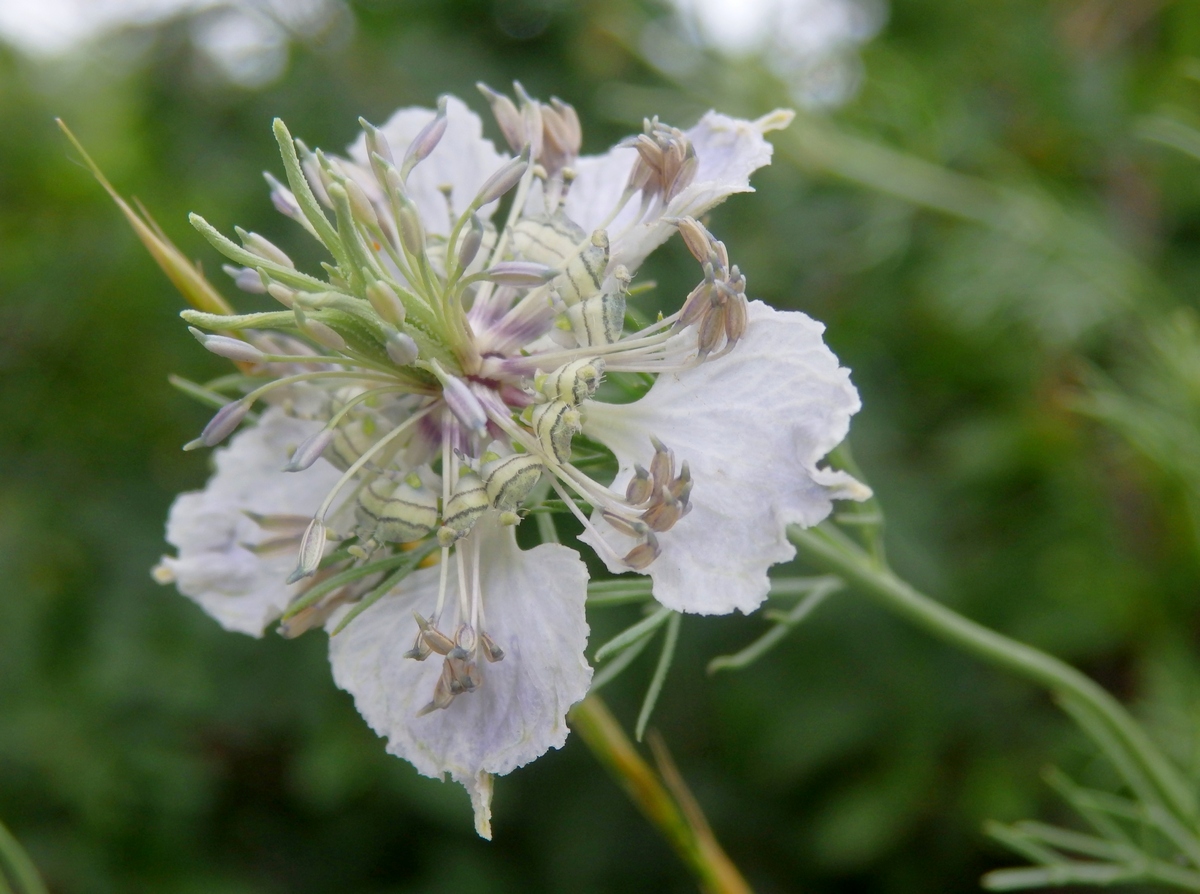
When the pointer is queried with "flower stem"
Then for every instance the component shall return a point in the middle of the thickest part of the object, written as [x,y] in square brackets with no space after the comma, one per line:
[662,799]
[1149,773]
[17,872]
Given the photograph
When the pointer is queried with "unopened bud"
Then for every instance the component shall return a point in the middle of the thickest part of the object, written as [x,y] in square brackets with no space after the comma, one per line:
[283,198]
[520,273]
[426,141]
[282,294]
[324,335]
[502,181]
[459,398]
[360,205]
[246,278]
[506,115]
[312,548]
[471,241]
[310,450]
[222,425]
[230,348]
[377,143]
[401,349]
[386,302]
[264,248]
[412,233]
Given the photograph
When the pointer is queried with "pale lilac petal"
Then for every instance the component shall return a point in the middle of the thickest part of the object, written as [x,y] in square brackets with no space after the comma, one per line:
[752,425]
[728,149]
[463,159]
[245,592]
[534,603]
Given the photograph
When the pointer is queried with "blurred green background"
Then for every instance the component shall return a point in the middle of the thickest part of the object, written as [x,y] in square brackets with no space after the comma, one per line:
[1000,226]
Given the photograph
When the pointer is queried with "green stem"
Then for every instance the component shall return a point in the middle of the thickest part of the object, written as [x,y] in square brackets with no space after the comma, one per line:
[16,865]
[833,551]
[676,816]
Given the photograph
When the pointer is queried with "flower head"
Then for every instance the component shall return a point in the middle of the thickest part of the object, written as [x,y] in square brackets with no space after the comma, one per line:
[457,367]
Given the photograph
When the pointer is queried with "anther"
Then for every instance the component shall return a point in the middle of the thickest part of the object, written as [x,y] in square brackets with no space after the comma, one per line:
[312,548]
[222,425]
[401,349]
[640,487]
[426,141]
[491,651]
[643,554]
[502,181]
[462,402]
[523,274]
[230,348]
[310,450]
[443,691]
[434,638]
[246,278]
[386,302]
[264,248]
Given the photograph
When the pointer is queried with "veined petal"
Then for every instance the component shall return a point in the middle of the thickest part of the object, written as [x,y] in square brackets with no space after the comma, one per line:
[752,426]
[728,150]
[463,159]
[244,590]
[534,610]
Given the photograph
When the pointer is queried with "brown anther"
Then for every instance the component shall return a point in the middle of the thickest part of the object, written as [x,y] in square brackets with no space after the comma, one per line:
[697,239]
[466,677]
[699,301]
[643,554]
[640,487]
[507,116]
[712,329]
[663,512]
[443,691]
[681,487]
[736,321]
[434,638]
[420,650]
[662,466]
[666,162]
[491,651]
[628,527]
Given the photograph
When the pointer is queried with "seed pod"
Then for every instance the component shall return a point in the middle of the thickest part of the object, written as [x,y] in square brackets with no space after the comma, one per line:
[468,501]
[574,382]
[555,424]
[510,479]
[395,513]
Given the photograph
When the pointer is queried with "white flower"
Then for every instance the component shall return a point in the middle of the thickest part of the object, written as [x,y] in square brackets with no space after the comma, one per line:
[443,373]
